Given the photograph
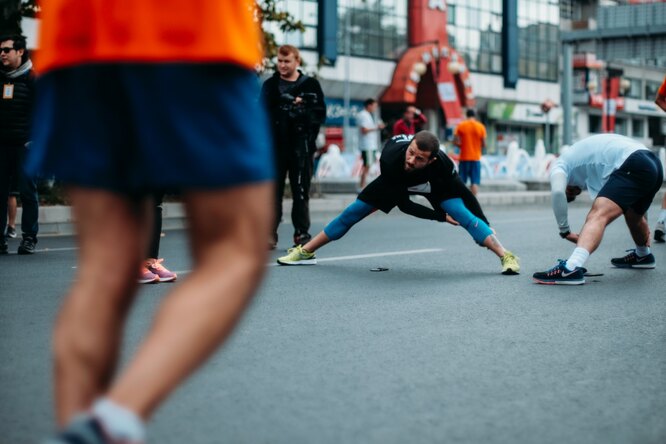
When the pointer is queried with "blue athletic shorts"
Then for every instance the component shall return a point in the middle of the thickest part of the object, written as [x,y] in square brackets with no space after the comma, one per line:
[134,128]
[470,169]
[635,183]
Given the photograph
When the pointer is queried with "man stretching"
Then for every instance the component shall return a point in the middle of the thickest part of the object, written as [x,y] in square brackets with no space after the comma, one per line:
[412,165]
[622,176]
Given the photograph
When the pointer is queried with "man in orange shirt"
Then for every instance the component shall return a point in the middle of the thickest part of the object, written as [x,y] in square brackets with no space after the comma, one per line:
[470,136]
[135,97]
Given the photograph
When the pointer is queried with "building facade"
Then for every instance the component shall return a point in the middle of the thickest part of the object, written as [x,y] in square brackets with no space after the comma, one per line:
[373,34]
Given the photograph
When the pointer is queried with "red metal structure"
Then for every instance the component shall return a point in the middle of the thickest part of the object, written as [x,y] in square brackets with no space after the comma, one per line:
[430,74]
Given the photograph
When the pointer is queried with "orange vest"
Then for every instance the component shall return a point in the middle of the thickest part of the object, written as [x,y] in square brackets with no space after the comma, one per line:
[74,32]
[471,134]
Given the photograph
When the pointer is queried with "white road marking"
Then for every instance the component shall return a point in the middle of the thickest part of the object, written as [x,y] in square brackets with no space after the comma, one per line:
[356,256]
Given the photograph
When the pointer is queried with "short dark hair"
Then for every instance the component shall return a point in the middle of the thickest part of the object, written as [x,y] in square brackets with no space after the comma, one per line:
[427,141]
[470,113]
[19,40]
[369,102]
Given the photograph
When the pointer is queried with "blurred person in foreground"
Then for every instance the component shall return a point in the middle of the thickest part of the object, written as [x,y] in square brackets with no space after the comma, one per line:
[296,106]
[660,228]
[18,95]
[622,176]
[149,100]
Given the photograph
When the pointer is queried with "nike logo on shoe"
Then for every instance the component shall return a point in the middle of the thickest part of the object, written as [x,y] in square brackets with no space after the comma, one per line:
[567,274]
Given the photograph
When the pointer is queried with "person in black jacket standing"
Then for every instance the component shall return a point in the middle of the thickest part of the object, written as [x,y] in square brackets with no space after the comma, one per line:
[18,92]
[296,105]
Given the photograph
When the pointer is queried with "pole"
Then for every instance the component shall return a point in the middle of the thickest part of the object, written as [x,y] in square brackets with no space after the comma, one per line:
[347,90]
[547,136]
[567,93]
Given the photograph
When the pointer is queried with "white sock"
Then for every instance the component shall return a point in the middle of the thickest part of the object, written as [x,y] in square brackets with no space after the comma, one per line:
[119,422]
[662,216]
[642,251]
[577,258]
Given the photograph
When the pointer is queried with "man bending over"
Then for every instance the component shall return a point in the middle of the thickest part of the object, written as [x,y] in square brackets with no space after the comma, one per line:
[412,165]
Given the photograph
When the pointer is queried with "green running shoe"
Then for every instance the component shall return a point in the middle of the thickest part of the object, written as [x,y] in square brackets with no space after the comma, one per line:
[510,264]
[298,256]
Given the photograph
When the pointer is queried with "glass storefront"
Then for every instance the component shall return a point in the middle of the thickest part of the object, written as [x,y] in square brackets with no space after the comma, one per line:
[475,30]
[377,28]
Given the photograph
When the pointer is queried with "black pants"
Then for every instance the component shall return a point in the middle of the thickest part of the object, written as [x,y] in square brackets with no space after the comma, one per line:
[11,168]
[154,248]
[300,177]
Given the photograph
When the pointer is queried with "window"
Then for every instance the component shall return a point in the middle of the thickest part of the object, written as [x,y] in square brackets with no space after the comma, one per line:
[538,22]
[594,124]
[634,90]
[651,89]
[476,28]
[304,10]
[376,29]
[637,128]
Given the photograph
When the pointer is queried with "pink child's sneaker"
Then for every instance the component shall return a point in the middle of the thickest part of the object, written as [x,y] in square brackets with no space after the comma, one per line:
[147,277]
[155,266]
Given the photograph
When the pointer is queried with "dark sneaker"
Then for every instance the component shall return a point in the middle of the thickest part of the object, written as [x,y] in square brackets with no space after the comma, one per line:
[3,247]
[273,241]
[11,232]
[301,239]
[27,246]
[559,275]
[659,232]
[83,430]
[632,260]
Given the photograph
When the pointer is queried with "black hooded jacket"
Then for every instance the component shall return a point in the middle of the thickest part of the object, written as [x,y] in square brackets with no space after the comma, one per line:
[16,111]
[288,131]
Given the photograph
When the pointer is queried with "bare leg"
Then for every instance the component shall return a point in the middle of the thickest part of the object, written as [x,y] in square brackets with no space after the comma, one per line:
[364,175]
[316,242]
[493,244]
[475,189]
[11,211]
[638,227]
[88,330]
[603,212]
[227,231]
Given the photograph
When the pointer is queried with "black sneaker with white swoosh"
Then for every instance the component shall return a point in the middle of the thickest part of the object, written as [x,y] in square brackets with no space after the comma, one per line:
[559,275]
[632,260]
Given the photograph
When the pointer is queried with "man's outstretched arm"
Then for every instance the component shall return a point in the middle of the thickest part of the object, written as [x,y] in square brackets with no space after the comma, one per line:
[558,187]
[410,207]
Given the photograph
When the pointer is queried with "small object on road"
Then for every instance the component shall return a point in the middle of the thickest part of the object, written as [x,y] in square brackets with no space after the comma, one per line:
[589,274]
[379,269]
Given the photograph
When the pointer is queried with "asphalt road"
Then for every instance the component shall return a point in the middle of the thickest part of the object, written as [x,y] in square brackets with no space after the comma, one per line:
[439,348]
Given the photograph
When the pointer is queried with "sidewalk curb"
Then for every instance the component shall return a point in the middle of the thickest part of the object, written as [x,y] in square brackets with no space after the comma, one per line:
[57,220]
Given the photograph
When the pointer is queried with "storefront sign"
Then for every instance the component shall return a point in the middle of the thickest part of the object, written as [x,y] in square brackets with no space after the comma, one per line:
[335,111]
[519,112]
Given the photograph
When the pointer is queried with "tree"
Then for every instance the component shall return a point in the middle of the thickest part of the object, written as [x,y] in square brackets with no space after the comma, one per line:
[268,13]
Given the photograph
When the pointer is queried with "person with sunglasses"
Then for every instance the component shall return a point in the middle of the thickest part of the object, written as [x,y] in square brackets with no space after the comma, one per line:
[18,92]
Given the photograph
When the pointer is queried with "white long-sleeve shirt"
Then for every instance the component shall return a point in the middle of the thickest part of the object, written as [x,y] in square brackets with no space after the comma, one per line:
[588,164]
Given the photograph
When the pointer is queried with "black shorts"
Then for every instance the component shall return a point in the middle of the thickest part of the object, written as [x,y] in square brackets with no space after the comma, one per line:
[635,183]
